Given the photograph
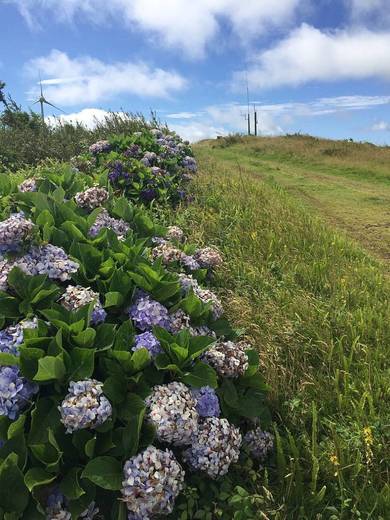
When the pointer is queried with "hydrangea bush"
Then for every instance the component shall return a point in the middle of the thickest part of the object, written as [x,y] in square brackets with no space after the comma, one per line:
[120,379]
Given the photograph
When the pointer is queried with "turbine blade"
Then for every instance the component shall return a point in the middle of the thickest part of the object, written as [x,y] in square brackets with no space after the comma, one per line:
[51,104]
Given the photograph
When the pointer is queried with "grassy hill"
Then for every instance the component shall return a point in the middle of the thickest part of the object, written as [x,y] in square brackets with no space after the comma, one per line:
[347,183]
[315,304]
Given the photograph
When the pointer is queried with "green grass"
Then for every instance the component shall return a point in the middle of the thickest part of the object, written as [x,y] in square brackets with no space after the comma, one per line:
[317,308]
[348,184]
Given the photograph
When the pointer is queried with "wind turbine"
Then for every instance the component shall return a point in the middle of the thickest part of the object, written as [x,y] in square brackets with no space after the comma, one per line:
[42,100]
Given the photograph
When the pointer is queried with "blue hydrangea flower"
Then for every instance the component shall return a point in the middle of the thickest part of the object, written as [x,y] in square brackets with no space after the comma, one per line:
[85,406]
[148,194]
[12,336]
[147,313]
[149,341]
[259,443]
[57,504]
[117,173]
[15,392]
[207,403]
[15,231]
[189,163]
[99,147]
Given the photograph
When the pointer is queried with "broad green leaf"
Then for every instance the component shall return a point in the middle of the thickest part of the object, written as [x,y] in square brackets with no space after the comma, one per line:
[201,375]
[83,361]
[105,472]
[49,368]
[37,477]
[11,478]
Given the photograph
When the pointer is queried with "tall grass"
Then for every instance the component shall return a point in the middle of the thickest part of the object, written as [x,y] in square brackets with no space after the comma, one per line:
[317,308]
[27,144]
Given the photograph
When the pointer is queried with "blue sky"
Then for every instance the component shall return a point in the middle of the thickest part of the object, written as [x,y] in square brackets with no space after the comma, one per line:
[313,66]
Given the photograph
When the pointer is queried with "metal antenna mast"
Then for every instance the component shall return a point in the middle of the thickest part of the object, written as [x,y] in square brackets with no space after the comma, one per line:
[255,116]
[247,98]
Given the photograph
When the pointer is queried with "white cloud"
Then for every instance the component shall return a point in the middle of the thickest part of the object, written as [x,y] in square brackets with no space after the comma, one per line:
[88,117]
[188,25]
[309,54]
[183,115]
[196,131]
[381,126]
[88,80]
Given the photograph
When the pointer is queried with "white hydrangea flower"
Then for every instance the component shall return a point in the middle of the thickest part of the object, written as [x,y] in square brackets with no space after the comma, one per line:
[215,446]
[172,410]
[152,481]
[228,358]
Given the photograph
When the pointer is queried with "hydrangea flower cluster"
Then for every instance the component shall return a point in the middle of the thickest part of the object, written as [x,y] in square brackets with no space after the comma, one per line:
[100,147]
[228,358]
[85,406]
[147,313]
[189,163]
[118,173]
[91,198]
[175,233]
[28,185]
[169,254]
[149,159]
[214,447]
[76,296]
[15,392]
[11,337]
[208,257]
[172,411]
[149,341]
[207,403]
[152,481]
[119,226]
[187,282]
[56,508]
[148,194]
[133,151]
[259,443]
[15,231]
[48,259]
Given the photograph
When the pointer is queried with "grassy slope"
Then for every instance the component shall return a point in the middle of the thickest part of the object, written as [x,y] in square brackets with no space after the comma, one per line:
[348,183]
[317,308]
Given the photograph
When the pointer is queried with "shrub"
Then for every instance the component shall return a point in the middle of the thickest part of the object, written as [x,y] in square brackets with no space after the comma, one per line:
[105,379]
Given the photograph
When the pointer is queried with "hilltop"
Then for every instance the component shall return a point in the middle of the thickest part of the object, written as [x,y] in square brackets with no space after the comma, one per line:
[346,183]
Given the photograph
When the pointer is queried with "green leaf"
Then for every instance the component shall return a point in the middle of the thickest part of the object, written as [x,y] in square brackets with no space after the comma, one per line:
[85,338]
[16,427]
[124,337]
[105,472]
[37,477]
[9,307]
[113,299]
[49,368]
[11,479]
[70,485]
[45,416]
[8,359]
[140,359]
[44,218]
[83,362]
[201,375]
[115,388]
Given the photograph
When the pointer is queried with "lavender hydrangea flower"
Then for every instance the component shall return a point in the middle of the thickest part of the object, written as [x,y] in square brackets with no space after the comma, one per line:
[259,443]
[147,313]
[179,321]
[77,296]
[118,175]
[85,406]
[48,259]
[100,147]
[214,447]
[149,341]
[207,403]
[172,411]
[91,198]
[28,185]
[133,151]
[15,392]
[152,481]
[119,226]
[229,359]
[15,231]
[57,504]
[12,336]
[189,163]
[207,296]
